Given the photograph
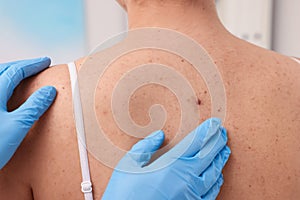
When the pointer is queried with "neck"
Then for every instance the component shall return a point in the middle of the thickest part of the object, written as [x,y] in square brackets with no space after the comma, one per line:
[196,18]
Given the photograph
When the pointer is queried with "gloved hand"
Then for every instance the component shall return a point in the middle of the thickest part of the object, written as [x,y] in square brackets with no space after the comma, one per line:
[15,125]
[191,170]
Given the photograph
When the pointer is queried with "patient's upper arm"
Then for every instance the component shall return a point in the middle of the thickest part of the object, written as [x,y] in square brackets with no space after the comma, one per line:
[21,178]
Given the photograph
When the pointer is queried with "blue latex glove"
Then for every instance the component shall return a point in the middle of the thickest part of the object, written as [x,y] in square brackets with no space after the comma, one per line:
[191,170]
[15,125]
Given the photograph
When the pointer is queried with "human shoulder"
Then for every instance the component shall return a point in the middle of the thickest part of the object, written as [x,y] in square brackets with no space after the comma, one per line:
[36,146]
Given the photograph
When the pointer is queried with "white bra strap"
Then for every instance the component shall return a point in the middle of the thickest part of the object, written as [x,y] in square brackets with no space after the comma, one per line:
[295,59]
[86,185]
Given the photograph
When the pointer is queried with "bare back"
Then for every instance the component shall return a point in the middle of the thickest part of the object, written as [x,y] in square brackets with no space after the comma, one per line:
[262,119]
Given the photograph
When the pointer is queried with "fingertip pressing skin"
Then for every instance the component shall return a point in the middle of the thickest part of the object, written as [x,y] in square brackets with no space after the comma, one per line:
[142,151]
[149,144]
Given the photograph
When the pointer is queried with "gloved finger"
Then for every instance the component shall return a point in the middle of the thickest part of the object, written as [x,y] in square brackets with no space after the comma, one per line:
[210,176]
[215,190]
[192,143]
[208,153]
[18,71]
[5,66]
[198,138]
[142,151]
[8,149]
[35,106]
[30,66]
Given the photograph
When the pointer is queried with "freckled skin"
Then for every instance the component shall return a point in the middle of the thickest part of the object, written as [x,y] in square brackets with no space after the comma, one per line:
[262,123]
[262,118]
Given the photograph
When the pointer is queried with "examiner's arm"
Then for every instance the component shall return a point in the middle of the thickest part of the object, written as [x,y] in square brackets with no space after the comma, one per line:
[15,125]
[191,170]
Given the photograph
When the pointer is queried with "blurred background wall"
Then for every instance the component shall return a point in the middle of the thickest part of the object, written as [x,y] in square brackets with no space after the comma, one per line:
[286,30]
[31,28]
[68,29]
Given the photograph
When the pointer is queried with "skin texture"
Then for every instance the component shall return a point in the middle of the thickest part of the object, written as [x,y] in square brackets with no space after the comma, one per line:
[262,118]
